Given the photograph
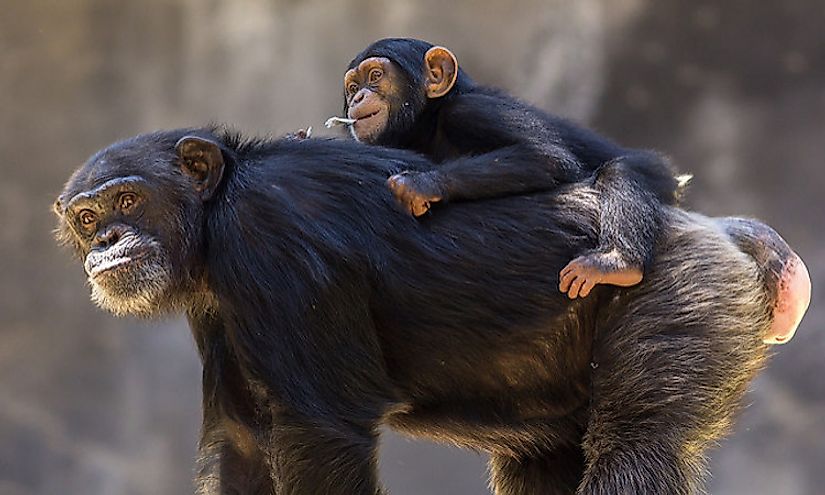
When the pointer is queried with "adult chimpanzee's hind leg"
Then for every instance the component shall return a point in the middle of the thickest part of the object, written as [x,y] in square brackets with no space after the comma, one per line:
[647,418]
[555,473]
[671,367]
[223,469]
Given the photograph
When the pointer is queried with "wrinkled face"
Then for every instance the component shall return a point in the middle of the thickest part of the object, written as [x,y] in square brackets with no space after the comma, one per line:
[132,215]
[127,266]
[372,90]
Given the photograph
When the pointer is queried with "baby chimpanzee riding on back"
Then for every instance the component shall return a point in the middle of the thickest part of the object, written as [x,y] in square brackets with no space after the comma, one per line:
[407,93]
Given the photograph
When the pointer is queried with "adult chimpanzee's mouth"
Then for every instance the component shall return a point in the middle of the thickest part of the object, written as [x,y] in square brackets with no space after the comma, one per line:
[124,254]
[117,263]
[108,265]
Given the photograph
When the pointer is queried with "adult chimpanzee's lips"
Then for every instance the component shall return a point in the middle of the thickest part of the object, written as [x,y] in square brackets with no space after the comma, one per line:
[126,251]
[100,265]
[107,265]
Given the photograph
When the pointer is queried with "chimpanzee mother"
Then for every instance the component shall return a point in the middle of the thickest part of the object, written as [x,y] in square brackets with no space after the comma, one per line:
[322,311]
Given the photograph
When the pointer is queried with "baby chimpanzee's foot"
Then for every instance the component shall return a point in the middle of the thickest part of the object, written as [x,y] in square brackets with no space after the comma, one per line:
[579,277]
[415,191]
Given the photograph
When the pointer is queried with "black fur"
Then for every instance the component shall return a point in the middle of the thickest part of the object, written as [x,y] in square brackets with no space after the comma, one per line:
[322,311]
[490,144]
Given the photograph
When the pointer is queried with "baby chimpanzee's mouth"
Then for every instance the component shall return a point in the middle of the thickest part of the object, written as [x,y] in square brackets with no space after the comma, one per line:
[363,113]
[369,115]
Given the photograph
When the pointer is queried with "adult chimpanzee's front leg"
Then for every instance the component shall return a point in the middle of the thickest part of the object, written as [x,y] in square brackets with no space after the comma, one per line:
[323,407]
[229,460]
[557,472]
[311,456]
[229,464]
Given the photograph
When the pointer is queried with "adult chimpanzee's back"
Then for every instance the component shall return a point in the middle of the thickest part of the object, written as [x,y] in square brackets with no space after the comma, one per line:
[321,312]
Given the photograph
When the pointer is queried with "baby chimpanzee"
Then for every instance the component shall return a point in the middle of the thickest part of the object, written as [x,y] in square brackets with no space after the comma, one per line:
[407,93]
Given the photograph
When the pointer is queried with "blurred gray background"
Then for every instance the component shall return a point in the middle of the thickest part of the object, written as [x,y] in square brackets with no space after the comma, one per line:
[734,90]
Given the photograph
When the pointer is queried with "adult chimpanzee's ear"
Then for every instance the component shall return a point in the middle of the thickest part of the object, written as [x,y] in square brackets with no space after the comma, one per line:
[442,71]
[202,160]
[57,206]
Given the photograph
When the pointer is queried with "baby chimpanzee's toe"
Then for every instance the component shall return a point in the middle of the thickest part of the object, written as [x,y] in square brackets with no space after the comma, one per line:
[579,277]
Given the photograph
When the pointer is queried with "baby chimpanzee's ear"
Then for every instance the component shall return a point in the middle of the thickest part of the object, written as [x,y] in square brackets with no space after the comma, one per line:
[202,160]
[441,69]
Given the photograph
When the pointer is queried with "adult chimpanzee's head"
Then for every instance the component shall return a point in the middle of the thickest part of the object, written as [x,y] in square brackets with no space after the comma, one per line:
[134,213]
[390,84]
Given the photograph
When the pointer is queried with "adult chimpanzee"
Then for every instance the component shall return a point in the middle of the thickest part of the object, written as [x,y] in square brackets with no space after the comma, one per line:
[407,93]
[321,310]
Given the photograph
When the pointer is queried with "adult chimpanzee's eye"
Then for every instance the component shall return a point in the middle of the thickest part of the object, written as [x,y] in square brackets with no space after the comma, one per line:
[126,201]
[375,75]
[87,218]
[352,88]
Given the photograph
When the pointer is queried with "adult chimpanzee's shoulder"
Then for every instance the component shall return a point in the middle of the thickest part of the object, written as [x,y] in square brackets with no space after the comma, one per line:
[332,158]
[324,180]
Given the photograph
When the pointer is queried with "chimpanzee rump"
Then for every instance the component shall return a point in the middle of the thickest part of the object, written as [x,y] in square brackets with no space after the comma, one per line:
[321,311]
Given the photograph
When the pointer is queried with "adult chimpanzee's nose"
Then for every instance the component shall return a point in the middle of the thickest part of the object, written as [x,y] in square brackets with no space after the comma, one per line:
[108,236]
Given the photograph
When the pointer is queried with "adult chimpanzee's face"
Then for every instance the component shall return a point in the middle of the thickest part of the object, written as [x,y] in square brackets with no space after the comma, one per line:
[127,264]
[134,220]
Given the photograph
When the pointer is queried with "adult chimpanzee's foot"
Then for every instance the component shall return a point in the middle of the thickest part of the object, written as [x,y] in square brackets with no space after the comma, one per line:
[579,277]
[416,191]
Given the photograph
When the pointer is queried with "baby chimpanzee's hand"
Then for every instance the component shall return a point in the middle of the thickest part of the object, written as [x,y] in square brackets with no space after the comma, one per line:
[415,191]
[300,134]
